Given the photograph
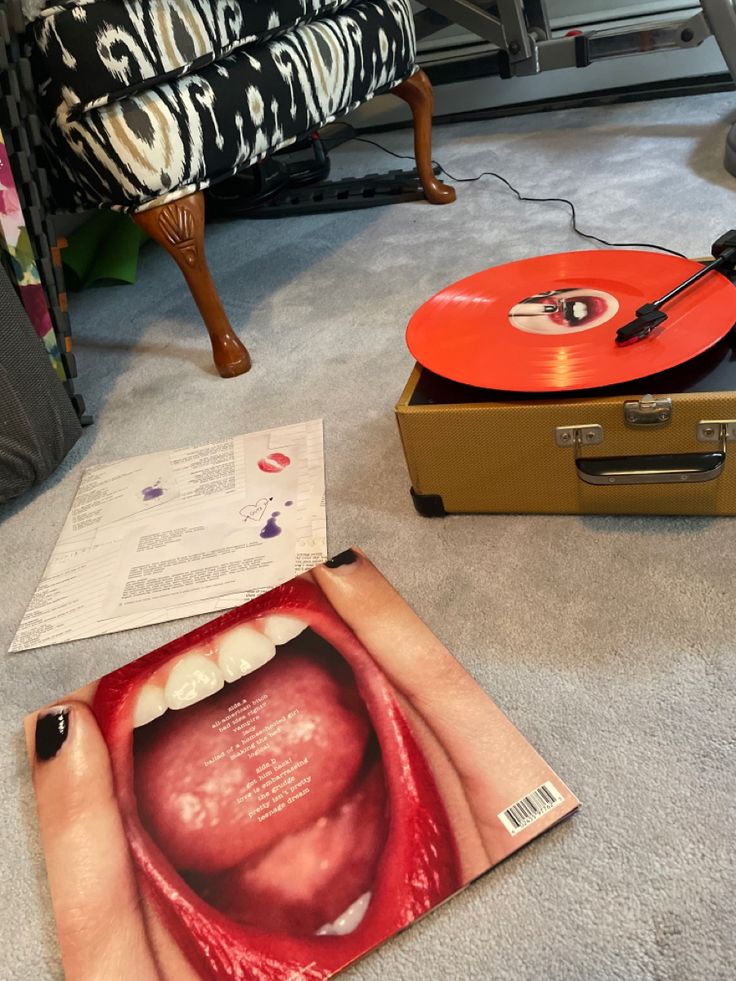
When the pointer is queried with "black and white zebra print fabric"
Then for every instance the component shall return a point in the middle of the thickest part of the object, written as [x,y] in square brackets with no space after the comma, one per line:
[97,51]
[178,136]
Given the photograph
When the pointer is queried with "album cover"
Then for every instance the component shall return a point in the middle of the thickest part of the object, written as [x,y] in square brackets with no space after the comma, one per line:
[277,792]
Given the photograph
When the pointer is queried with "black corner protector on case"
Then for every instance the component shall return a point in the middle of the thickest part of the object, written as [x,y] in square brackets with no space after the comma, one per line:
[428,505]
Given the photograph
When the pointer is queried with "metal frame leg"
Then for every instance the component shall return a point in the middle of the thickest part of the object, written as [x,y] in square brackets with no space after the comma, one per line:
[521,30]
[472,17]
[721,18]
[516,35]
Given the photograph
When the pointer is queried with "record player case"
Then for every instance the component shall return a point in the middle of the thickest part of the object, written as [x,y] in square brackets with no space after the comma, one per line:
[665,444]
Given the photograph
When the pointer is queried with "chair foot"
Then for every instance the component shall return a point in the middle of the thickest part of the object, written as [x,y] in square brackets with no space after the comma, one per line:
[231,369]
[417,92]
[179,228]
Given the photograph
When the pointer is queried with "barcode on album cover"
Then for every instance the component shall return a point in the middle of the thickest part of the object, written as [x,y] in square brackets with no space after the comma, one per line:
[530,808]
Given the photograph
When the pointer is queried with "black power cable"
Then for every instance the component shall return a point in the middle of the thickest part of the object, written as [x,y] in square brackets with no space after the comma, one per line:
[519,195]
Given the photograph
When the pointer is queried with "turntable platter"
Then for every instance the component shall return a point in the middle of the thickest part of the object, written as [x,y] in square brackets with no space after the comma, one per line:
[548,324]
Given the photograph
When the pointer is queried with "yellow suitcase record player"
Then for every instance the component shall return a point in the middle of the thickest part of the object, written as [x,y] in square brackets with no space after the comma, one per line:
[661,444]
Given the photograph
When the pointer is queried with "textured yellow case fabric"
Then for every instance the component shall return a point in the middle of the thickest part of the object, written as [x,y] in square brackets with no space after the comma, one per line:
[502,457]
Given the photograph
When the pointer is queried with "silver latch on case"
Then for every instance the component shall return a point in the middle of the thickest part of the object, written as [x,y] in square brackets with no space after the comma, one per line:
[648,411]
[579,435]
[716,430]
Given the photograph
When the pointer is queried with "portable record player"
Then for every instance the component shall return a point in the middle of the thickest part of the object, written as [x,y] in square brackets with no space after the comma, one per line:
[595,382]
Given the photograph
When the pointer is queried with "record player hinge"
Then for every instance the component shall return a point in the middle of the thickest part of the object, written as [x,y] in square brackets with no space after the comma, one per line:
[589,435]
[716,430]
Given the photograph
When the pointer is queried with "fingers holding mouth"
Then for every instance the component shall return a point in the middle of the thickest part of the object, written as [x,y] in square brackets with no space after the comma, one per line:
[468,728]
[564,311]
[279,791]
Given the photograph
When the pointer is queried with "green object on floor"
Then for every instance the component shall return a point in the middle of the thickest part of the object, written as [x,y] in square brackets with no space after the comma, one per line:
[104,250]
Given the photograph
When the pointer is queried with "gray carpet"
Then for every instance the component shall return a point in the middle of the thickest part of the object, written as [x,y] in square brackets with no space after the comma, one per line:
[608,641]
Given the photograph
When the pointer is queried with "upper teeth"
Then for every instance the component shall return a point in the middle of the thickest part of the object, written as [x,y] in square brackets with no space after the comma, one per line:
[282,629]
[149,705]
[242,650]
[194,676]
[579,310]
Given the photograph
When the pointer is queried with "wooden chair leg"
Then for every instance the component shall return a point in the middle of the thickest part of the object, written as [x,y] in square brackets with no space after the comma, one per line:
[417,91]
[179,228]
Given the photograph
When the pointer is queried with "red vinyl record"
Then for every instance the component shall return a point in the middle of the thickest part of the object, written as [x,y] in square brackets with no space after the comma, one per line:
[548,324]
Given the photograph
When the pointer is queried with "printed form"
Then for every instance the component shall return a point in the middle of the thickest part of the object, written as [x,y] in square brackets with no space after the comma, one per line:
[183,532]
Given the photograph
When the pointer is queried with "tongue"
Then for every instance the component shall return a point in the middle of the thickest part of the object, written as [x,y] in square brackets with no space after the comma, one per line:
[267,756]
[309,879]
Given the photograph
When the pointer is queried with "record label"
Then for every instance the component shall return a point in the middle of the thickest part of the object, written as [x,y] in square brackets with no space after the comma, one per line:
[563,311]
[549,323]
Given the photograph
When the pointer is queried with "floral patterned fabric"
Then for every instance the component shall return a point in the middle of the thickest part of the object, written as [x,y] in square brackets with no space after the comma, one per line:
[15,241]
[178,137]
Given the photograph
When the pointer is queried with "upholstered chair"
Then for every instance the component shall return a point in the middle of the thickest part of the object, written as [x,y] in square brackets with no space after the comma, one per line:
[147,102]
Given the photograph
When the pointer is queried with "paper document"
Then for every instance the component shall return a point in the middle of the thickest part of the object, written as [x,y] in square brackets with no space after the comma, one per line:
[182,532]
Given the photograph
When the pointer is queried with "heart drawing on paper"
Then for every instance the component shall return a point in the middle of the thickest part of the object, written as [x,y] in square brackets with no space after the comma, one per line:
[254,512]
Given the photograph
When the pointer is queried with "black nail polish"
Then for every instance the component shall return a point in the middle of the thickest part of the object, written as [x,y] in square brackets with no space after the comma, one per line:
[51,732]
[344,558]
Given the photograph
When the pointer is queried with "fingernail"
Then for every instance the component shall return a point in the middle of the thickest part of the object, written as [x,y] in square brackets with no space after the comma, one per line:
[344,558]
[52,728]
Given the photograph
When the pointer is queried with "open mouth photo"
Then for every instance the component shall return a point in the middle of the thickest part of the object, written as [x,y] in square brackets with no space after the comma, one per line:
[563,311]
[280,809]
[288,785]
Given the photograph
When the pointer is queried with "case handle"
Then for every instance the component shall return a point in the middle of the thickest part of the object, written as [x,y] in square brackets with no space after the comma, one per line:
[666,468]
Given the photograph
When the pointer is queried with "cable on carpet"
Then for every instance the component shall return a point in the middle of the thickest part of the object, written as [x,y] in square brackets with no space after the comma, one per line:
[519,195]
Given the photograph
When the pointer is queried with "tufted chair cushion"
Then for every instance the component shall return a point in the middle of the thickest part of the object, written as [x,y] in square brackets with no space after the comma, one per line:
[178,136]
[91,52]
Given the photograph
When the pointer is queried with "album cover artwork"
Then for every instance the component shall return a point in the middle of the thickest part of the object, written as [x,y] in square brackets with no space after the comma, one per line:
[287,786]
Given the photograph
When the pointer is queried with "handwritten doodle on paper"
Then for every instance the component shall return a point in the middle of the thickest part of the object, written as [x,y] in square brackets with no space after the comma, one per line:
[254,512]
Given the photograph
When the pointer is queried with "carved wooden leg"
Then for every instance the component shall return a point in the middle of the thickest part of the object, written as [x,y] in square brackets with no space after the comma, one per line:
[417,91]
[179,227]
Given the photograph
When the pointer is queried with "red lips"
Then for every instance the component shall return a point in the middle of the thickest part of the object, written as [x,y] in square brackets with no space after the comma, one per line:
[417,867]
[274,463]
